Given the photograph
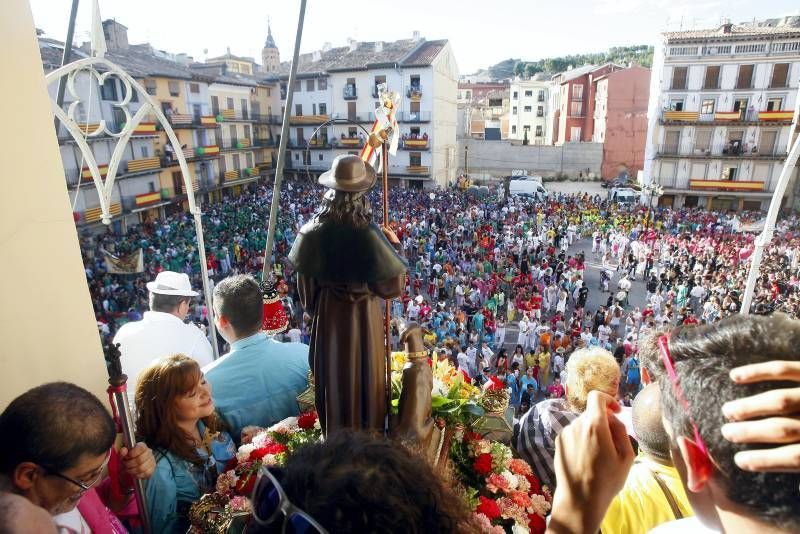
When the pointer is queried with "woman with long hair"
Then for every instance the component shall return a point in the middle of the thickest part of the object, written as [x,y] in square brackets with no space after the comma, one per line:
[176,418]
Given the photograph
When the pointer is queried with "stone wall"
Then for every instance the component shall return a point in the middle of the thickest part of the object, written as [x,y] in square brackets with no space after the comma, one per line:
[494,159]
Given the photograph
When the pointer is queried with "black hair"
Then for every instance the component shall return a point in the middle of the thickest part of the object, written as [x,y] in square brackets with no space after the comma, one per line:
[54,425]
[354,482]
[703,356]
[239,299]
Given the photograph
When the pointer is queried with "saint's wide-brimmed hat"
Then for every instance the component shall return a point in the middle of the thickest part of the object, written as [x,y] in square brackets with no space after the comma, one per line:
[350,174]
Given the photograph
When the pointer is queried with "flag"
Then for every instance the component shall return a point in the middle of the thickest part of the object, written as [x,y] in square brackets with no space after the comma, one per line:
[384,120]
[130,264]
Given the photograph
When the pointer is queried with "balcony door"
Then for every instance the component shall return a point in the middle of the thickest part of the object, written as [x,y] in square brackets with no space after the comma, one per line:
[351,111]
[766,141]
[301,140]
[671,141]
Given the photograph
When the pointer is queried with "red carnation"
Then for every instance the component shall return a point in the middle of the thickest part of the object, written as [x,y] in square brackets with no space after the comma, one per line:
[536,486]
[488,507]
[471,436]
[536,524]
[307,420]
[244,486]
[272,448]
[483,464]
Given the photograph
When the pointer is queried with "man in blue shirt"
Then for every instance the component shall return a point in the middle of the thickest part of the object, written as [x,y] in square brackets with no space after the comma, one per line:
[258,381]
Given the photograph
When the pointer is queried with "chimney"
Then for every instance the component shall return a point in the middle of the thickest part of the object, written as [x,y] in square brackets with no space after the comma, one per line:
[726,26]
[416,36]
[326,47]
[316,55]
[378,46]
[116,35]
[229,50]
[353,44]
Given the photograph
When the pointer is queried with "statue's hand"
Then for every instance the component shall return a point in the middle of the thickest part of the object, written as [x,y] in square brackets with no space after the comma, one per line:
[390,235]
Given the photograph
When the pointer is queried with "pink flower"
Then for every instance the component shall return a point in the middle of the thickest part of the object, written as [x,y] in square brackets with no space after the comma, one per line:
[521,499]
[485,525]
[495,483]
[511,510]
[240,503]
[519,467]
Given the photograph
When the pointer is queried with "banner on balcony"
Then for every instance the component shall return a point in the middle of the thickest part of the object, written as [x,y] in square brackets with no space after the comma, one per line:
[129,264]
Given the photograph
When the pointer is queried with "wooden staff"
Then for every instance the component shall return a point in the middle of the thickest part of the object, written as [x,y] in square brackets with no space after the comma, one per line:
[388,304]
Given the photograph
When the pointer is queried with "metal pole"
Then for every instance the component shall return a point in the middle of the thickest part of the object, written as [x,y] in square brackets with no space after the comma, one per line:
[769,224]
[276,189]
[201,250]
[66,58]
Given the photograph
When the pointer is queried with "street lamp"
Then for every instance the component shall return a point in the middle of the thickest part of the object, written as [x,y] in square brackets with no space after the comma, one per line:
[651,191]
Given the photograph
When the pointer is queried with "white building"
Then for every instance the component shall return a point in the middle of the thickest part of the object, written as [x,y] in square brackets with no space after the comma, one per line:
[722,102]
[530,105]
[341,83]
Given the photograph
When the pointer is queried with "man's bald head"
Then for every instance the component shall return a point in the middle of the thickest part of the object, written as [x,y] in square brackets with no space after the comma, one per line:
[18,515]
[647,425]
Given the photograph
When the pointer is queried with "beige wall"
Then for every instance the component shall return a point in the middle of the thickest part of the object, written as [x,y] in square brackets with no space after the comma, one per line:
[47,326]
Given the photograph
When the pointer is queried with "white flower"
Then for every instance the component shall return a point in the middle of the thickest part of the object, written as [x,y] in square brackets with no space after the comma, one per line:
[244,452]
[519,529]
[317,426]
[260,440]
[511,478]
[287,426]
[439,388]
[540,505]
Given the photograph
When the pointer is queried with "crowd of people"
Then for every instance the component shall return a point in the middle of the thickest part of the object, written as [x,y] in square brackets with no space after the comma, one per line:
[575,304]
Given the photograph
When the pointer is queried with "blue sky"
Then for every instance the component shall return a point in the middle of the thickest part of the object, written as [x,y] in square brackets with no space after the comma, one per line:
[481,32]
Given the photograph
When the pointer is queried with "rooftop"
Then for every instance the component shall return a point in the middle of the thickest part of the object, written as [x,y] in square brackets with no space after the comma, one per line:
[737,32]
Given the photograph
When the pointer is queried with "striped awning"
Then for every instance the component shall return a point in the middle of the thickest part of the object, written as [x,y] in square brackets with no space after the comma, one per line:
[681,115]
[726,185]
[95,214]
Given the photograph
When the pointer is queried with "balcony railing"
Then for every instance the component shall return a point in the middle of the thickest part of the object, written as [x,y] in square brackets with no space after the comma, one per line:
[417,169]
[420,143]
[726,185]
[206,121]
[307,119]
[414,116]
[668,150]
[143,164]
[355,117]
[750,116]
[349,92]
[349,142]
[91,215]
[267,119]
[233,115]
[726,152]
[237,143]
[263,142]
[414,93]
[208,151]
[181,121]
[229,176]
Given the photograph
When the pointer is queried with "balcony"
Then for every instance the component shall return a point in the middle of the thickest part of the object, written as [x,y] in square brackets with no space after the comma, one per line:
[172,161]
[418,143]
[206,152]
[722,118]
[731,151]
[726,185]
[302,144]
[86,174]
[242,143]
[263,143]
[668,150]
[230,176]
[414,116]
[206,121]
[233,115]
[92,215]
[418,169]
[349,142]
[367,117]
[267,119]
[178,121]
[307,119]
[349,92]
[146,199]
[414,93]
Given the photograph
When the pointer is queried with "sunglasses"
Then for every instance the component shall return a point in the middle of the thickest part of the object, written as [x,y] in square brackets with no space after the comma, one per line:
[84,486]
[669,365]
[270,502]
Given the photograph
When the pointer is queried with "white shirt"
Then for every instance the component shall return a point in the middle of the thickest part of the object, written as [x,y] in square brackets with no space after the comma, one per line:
[156,336]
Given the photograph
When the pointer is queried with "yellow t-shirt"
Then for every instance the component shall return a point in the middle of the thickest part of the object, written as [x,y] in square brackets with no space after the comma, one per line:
[642,505]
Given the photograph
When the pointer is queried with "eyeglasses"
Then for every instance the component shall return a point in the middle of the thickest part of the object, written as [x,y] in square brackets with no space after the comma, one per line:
[669,364]
[269,502]
[84,487]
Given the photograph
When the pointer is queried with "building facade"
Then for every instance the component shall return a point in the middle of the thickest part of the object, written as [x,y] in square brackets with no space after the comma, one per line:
[483,110]
[722,103]
[574,120]
[620,119]
[530,105]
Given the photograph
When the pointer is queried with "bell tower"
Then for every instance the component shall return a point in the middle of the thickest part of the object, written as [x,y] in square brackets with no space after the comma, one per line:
[270,57]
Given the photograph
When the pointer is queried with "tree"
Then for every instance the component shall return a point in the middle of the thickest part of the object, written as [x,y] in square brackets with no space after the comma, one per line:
[531,69]
[519,68]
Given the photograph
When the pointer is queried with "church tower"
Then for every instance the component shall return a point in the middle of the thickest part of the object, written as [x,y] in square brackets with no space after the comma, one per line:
[270,57]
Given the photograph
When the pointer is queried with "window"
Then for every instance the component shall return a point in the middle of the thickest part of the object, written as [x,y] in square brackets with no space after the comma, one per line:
[298,109]
[702,140]
[676,105]
[540,111]
[296,156]
[469,95]
[707,107]
[194,88]
[577,92]
[774,104]
[150,87]
[415,159]
[729,173]
[575,109]
[495,102]
[513,129]
[541,95]
[780,74]
[309,85]
[575,134]
[528,93]
[174,88]
[320,157]
[711,80]
[249,158]
[514,110]
[352,132]
[297,87]
[108,91]
[229,102]
[269,92]
[243,103]
[679,78]
[415,85]
[145,152]
[740,104]
[538,130]
[215,105]
[322,84]
[527,109]
[766,141]
[516,95]
[745,78]
[323,109]
[526,128]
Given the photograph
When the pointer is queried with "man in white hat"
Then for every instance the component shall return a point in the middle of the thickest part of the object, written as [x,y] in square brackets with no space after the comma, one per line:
[162,331]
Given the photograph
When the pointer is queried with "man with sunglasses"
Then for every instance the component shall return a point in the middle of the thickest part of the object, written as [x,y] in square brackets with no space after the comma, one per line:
[56,445]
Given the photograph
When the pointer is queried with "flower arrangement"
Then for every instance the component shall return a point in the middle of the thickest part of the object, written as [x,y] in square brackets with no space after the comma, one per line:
[268,447]
[501,490]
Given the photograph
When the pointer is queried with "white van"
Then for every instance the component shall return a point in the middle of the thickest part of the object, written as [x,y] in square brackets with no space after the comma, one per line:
[623,195]
[528,186]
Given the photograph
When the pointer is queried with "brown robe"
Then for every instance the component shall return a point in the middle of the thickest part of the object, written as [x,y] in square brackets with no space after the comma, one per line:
[343,273]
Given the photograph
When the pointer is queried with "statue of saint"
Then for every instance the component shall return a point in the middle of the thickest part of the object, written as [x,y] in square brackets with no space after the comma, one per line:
[345,266]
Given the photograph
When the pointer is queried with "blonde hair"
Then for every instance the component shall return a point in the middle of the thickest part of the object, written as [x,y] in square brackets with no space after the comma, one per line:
[587,370]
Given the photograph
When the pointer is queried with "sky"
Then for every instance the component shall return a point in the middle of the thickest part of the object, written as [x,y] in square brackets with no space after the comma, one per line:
[481,33]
